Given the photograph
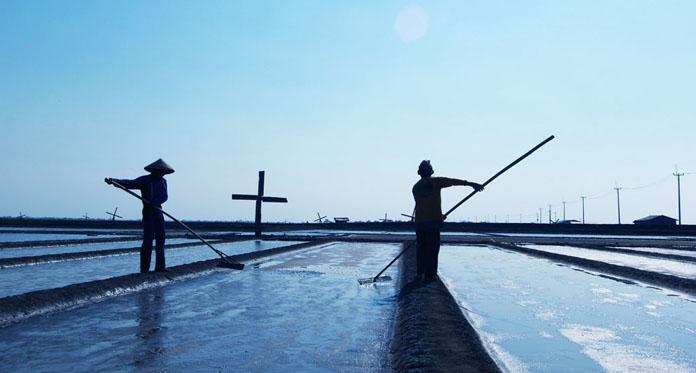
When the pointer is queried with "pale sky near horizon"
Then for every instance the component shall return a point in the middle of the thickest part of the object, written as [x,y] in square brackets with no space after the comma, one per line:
[340,101]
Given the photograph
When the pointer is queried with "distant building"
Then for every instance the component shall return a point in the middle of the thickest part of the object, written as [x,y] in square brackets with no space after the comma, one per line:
[656,220]
[569,221]
[341,220]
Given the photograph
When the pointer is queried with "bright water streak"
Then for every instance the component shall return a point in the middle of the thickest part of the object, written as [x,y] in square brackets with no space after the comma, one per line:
[541,317]
[682,252]
[18,280]
[301,312]
[665,266]
[21,237]
[45,250]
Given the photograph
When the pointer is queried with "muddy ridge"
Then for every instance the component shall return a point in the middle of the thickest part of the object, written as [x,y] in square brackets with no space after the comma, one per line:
[431,333]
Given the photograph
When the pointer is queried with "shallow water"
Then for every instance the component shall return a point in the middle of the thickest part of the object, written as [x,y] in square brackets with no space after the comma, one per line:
[21,237]
[301,312]
[665,266]
[538,316]
[681,252]
[45,250]
[18,280]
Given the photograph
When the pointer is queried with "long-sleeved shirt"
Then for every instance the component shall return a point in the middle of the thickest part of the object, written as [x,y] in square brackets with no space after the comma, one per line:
[152,187]
[426,192]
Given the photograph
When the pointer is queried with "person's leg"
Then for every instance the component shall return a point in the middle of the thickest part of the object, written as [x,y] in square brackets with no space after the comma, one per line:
[159,243]
[433,249]
[146,248]
[435,253]
[421,253]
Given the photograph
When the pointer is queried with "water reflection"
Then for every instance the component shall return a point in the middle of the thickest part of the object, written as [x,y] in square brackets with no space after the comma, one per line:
[150,313]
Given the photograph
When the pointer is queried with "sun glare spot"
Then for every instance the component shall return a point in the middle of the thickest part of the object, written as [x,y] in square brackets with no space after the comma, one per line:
[411,23]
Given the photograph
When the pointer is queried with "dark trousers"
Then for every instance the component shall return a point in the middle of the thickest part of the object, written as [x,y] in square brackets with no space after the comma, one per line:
[428,251]
[153,227]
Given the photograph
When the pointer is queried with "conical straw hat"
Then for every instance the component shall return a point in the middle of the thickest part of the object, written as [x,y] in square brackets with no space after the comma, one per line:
[159,167]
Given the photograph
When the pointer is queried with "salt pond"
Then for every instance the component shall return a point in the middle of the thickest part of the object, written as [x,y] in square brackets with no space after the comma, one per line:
[300,312]
[21,237]
[75,248]
[664,266]
[18,280]
[538,316]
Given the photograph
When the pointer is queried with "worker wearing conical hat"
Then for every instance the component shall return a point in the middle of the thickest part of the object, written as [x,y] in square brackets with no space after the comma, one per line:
[153,188]
[429,218]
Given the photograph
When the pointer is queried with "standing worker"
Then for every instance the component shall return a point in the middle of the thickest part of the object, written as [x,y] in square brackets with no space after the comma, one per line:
[153,188]
[429,218]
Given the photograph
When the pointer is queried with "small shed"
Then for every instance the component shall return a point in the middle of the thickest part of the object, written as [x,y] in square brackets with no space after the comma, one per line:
[656,220]
[569,221]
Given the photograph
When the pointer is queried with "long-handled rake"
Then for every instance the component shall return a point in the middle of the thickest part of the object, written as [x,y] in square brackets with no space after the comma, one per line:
[377,278]
[225,260]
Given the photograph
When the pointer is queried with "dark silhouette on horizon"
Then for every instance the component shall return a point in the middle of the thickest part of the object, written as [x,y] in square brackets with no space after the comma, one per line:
[153,188]
[429,218]
[259,198]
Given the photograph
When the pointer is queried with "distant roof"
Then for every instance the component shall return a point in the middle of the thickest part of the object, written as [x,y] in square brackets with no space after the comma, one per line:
[653,217]
[569,221]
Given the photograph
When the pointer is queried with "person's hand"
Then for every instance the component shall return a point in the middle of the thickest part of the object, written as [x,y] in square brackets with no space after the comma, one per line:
[477,187]
[108,180]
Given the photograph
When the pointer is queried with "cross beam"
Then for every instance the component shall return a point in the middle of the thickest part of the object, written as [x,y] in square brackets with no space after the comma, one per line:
[259,198]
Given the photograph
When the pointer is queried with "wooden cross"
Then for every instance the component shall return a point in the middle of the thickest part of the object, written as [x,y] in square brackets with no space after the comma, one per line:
[259,198]
[113,215]
[321,218]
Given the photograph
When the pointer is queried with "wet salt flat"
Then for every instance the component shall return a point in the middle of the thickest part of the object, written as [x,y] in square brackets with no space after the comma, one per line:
[45,250]
[664,266]
[537,316]
[21,237]
[18,280]
[608,236]
[680,252]
[300,312]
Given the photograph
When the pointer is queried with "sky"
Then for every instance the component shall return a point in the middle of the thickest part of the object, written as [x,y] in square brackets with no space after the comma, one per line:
[340,101]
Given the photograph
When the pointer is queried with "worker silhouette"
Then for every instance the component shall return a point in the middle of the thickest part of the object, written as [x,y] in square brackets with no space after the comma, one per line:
[429,218]
[153,188]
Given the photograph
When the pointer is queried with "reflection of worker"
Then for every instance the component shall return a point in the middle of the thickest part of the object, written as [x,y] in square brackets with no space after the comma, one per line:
[153,188]
[429,217]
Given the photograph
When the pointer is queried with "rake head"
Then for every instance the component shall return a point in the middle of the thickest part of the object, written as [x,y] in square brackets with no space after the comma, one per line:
[223,263]
[373,280]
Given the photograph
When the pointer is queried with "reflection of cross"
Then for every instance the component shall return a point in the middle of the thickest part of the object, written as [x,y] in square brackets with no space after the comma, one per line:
[114,216]
[321,218]
[259,198]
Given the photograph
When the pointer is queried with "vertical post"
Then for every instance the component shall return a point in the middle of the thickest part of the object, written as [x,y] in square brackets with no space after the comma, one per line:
[618,203]
[540,215]
[549,214]
[257,222]
[564,202]
[583,208]
[678,175]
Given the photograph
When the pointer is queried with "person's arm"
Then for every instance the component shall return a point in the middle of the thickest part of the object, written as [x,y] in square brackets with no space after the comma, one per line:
[445,182]
[138,183]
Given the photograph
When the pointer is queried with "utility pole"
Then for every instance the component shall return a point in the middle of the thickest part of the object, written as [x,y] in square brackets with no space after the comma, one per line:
[540,215]
[618,203]
[678,175]
[549,214]
[564,202]
[583,208]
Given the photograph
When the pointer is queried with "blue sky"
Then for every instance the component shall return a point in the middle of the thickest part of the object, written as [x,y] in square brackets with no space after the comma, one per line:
[340,101]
